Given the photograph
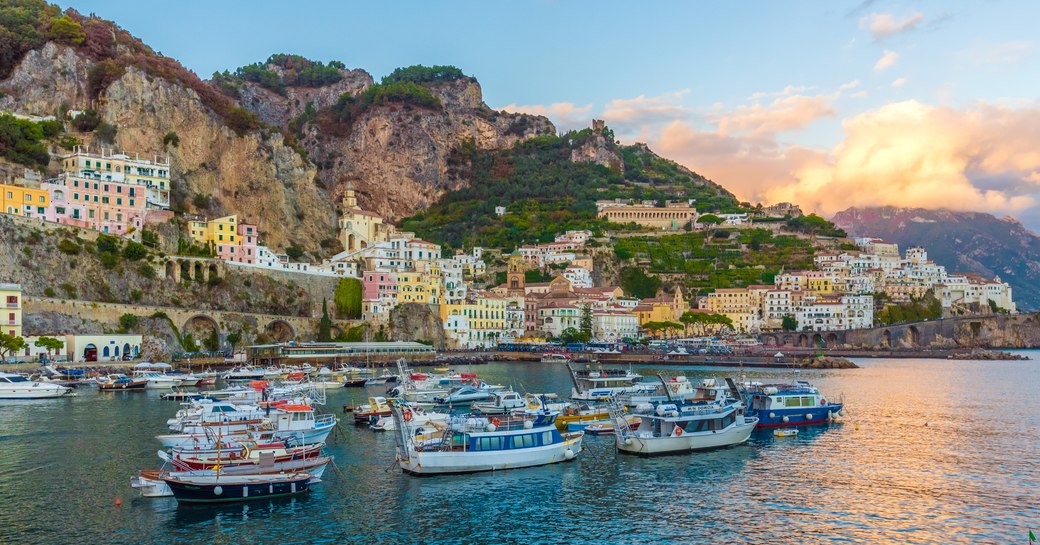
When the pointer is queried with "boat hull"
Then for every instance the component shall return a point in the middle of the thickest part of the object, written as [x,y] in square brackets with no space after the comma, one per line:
[690,442]
[151,485]
[238,488]
[445,463]
[804,416]
[36,390]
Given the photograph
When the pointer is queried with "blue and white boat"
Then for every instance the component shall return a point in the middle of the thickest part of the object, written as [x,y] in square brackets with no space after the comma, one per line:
[798,404]
[464,395]
[469,444]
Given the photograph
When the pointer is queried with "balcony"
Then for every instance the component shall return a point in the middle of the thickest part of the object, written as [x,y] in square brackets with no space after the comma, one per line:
[12,305]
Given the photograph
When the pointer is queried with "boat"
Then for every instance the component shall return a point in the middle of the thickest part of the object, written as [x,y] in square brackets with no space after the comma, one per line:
[684,426]
[602,384]
[244,374]
[785,432]
[798,404]
[555,357]
[500,403]
[230,488]
[376,408]
[156,380]
[14,386]
[470,443]
[228,454]
[419,416]
[150,483]
[464,395]
[606,427]
[117,382]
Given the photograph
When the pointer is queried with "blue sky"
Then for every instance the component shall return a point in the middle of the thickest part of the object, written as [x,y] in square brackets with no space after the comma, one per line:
[826,103]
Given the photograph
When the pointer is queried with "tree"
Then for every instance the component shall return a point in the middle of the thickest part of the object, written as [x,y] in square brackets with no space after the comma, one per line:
[50,344]
[789,323]
[134,251]
[171,138]
[638,283]
[348,298]
[67,31]
[234,338]
[586,321]
[711,222]
[127,322]
[325,324]
[705,323]
[10,345]
[212,342]
[571,335]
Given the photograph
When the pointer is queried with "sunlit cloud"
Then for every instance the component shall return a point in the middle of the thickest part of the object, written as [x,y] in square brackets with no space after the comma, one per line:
[887,60]
[632,114]
[565,115]
[884,25]
[899,83]
[782,115]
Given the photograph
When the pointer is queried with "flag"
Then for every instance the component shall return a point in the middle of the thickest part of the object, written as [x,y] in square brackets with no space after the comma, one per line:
[1032,538]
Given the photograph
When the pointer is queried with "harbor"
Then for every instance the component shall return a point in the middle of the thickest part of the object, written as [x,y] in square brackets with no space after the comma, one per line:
[101,440]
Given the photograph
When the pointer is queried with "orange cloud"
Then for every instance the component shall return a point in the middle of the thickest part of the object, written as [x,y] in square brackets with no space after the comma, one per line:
[782,115]
[627,114]
[883,25]
[887,60]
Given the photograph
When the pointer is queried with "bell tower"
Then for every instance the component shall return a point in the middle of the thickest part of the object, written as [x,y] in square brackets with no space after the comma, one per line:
[350,198]
[515,275]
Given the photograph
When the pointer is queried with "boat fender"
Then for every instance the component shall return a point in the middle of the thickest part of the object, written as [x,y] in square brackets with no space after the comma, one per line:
[528,424]
[808,416]
[218,491]
[772,415]
[491,427]
[496,422]
[830,415]
[628,441]
[787,419]
[568,454]
[841,412]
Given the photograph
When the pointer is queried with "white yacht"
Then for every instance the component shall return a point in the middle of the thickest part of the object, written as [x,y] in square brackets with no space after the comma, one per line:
[602,384]
[13,386]
[156,380]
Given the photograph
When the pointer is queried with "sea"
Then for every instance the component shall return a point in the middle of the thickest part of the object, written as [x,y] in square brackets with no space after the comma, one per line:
[929,452]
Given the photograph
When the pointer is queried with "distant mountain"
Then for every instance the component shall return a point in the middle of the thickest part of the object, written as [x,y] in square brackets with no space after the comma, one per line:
[960,241]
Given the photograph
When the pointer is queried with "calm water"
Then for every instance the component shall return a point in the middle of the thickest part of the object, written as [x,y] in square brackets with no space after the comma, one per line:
[931,452]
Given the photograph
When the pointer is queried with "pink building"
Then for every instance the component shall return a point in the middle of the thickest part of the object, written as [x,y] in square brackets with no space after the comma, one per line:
[379,285]
[244,250]
[93,203]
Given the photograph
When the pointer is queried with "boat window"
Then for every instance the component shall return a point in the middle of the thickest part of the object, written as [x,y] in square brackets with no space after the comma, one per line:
[4,379]
[728,420]
[17,379]
[496,443]
[547,438]
[518,441]
[715,424]
[529,440]
[697,426]
[484,443]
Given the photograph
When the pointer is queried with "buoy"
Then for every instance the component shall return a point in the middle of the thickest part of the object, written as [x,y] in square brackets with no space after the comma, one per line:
[528,424]
[119,502]
[808,416]
[772,415]
[491,427]
[568,454]
[787,419]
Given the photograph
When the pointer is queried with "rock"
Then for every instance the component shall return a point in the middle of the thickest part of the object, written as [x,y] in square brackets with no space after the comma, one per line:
[982,354]
[828,362]
[416,322]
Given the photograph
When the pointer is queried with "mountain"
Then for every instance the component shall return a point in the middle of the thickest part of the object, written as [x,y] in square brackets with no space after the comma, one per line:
[961,241]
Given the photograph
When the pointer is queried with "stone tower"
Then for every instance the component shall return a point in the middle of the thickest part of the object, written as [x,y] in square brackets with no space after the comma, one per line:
[350,198]
[515,275]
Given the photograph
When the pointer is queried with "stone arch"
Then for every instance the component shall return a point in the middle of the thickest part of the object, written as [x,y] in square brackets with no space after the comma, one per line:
[913,336]
[351,241]
[769,340]
[200,326]
[280,331]
[212,271]
[817,341]
[803,340]
[787,340]
[171,270]
[185,270]
[886,338]
[832,340]
[200,275]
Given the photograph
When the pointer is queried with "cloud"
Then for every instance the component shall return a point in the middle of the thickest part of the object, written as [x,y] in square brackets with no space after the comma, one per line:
[848,86]
[911,154]
[565,115]
[626,115]
[888,58]
[899,83]
[884,25]
[999,53]
[985,157]
[782,115]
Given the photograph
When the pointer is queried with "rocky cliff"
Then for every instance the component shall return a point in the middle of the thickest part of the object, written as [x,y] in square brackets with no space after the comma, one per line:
[961,241]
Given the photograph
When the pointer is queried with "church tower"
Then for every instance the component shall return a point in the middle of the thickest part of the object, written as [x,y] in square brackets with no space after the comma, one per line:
[349,198]
[515,275]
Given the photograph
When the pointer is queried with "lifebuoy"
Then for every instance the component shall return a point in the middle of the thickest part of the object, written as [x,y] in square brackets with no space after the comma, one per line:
[407,415]
[496,422]
[823,402]
[678,431]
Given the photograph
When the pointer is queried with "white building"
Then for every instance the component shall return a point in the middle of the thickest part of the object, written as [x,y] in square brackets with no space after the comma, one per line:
[614,324]
[818,313]
[580,277]
[500,210]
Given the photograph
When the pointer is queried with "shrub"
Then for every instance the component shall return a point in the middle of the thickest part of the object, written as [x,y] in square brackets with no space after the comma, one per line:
[49,292]
[87,121]
[68,247]
[69,142]
[106,132]
[108,243]
[127,322]
[69,289]
[200,201]
[171,138]
[67,31]
[101,75]
[134,251]
[294,253]
[146,270]
[108,261]
[136,295]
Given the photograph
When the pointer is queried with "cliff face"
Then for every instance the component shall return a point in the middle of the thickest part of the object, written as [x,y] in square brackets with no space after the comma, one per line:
[254,174]
[394,155]
[961,241]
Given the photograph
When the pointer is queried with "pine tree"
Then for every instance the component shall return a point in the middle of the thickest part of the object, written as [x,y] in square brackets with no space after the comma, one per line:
[325,325]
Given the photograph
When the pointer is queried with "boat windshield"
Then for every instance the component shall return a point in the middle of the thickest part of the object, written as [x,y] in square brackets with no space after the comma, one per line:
[16,378]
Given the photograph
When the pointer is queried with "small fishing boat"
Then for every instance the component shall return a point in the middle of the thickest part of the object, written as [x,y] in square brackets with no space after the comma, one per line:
[470,443]
[418,417]
[677,428]
[13,386]
[244,374]
[500,403]
[606,427]
[150,483]
[376,408]
[601,384]
[156,380]
[464,395]
[798,404]
[231,488]
[118,382]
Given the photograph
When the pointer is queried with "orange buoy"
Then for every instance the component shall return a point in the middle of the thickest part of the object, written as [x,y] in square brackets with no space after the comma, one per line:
[119,502]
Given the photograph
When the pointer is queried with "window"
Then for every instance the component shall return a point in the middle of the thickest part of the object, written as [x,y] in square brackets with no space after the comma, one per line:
[131,203]
[547,438]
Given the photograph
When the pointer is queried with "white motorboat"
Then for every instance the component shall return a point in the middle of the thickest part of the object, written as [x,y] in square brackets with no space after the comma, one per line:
[13,386]
[502,402]
[156,380]
[601,384]
[418,417]
[244,374]
[685,427]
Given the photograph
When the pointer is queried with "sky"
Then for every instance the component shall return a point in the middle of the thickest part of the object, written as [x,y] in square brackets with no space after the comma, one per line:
[824,103]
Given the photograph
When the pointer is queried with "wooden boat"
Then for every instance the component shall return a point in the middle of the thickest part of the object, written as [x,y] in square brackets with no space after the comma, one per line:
[377,407]
[185,459]
[121,382]
[231,488]
[151,484]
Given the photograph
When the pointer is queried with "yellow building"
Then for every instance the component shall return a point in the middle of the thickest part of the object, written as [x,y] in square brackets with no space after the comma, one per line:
[418,287]
[11,319]
[24,201]
[359,228]
[820,284]
[477,322]
[654,311]
[737,304]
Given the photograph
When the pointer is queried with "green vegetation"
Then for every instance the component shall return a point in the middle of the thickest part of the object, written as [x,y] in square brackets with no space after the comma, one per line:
[424,75]
[789,323]
[636,283]
[50,344]
[234,338]
[134,251]
[68,247]
[349,108]
[815,226]
[65,30]
[703,323]
[171,139]
[544,192]
[348,298]
[127,322]
[325,324]
[917,310]
[753,256]
[10,345]
[296,71]
[21,141]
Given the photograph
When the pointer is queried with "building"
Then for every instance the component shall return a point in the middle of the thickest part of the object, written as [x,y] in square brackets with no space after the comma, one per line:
[359,229]
[736,304]
[614,324]
[11,319]
[500,210]
[110,347]
[229,239]
[579,277]
[672,216]
[782,209]
[153,176]
[831,313]
[477,323]
[24,201]
[295,353]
